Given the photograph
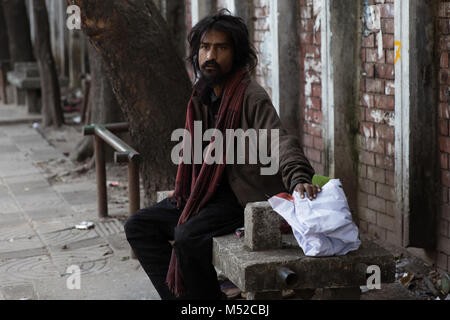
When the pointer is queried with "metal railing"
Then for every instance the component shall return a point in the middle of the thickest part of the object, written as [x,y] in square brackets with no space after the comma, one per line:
[104,134]
[4,68]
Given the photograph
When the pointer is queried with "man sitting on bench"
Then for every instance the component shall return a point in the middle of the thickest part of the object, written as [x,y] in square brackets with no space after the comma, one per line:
[209,198]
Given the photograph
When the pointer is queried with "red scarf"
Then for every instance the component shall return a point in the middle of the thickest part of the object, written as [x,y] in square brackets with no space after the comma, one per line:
[195,187]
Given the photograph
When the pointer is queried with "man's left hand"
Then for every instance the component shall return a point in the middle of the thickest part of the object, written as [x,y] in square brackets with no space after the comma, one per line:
[311,189]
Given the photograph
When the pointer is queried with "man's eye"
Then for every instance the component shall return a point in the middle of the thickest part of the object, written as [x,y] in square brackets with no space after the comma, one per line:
[223,47]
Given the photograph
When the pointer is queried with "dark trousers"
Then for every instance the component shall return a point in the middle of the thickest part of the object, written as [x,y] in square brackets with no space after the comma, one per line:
[149,230]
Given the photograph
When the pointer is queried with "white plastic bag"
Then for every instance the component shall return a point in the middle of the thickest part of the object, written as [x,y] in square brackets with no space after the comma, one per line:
[323,226]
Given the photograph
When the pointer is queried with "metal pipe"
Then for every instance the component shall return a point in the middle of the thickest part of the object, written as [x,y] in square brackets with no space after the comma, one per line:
[113,127]
[133,191]
[111,139]
[100,171]
[133,187]
[288,277]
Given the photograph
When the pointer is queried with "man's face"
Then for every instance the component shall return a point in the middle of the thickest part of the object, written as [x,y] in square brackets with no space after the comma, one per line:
[215,56]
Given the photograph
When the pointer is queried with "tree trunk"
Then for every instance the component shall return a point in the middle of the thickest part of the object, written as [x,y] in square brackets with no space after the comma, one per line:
[176,20]
[103,106]
[18,26]
[148,77]
[4,46]
[51,96]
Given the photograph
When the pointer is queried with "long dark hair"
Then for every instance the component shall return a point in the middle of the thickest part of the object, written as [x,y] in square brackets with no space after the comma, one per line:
[244,51]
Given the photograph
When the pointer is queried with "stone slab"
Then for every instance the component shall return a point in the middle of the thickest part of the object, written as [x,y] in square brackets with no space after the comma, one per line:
[255,271]
[262,227]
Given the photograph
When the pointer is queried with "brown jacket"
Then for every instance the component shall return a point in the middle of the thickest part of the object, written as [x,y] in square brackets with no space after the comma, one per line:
[246,180]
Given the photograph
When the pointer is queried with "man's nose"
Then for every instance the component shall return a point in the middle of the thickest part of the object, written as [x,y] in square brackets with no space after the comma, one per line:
[211,54]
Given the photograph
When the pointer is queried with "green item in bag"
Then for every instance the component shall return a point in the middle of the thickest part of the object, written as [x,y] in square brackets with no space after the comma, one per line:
[320,180]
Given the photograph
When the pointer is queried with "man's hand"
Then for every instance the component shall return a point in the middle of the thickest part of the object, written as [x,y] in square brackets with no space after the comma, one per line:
[311,190]
[170,194]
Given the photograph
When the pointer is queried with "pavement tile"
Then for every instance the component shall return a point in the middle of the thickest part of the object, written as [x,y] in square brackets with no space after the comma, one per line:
[40,201]
[68,236]
[8,205]
[30,141]
[24,253]
[30,187]
[11,245]
[87,256]
[79,197]
[12,156]
[47,154]
[119,242]
[16,168]
[9,148]
[4,192]
[52,225]
[18,231]
[19,130]
[55,213]
[89,186]
[38,267]
[12,219]
[19,292]
[125,280]
[32,178]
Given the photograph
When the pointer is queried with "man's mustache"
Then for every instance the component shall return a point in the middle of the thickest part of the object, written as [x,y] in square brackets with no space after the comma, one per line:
[211,63]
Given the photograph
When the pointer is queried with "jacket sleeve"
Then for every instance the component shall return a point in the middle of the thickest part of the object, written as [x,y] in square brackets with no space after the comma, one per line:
[293,164]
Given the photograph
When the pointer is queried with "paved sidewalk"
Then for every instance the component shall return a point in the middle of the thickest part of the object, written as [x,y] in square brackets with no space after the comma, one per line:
[38,241]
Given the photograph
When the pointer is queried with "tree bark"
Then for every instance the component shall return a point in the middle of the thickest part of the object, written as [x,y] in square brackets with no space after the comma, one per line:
[103,106]
[51,96]
[176,20]
[18,26]
[4,45]
[148,77]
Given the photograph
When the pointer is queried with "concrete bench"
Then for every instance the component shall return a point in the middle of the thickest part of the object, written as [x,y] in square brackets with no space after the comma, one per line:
[26,80]
[264,262]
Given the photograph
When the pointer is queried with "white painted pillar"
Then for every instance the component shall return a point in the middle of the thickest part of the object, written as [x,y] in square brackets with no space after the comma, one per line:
[275,55]
[231,6]
[402,117]
[327,88]
[194,12]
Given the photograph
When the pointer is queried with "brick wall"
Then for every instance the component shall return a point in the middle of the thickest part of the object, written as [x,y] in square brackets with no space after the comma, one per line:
[310,83]
[443,254]
[262,42]
[376,137]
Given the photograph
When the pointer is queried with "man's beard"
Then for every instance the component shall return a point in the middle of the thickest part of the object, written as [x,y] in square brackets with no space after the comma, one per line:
[212,79]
